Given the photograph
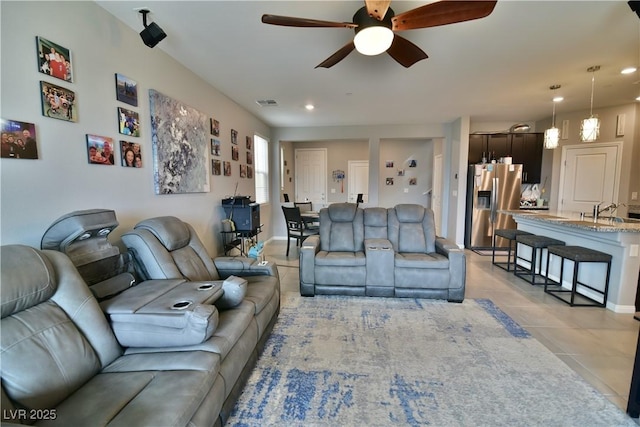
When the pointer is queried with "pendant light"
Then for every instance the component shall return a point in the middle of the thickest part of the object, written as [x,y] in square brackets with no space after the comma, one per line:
[590,127]
[552,135]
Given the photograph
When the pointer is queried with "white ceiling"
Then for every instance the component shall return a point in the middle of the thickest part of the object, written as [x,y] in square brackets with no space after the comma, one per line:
[494,69]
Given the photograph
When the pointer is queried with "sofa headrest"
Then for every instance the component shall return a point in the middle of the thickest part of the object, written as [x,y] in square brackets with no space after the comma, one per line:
[27,278]
[410,213]
[172,232]
[342,212]
[375,217]
[78,226]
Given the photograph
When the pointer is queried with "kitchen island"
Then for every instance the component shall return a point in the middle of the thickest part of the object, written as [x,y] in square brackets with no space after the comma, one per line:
[619,239]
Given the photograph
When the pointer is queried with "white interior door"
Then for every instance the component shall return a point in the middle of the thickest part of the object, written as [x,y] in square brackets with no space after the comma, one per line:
[358,180]
[436,192]
[590,175]
[311,176]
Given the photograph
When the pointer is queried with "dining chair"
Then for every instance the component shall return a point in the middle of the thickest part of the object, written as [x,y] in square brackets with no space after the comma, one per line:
[359,199]
[304,206]
[296,227]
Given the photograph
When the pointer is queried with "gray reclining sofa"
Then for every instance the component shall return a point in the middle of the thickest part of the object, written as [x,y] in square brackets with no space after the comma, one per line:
[381,252]
[174,350]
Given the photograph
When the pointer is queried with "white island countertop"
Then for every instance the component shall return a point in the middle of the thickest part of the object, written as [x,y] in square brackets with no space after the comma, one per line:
[619,239]
[572,220]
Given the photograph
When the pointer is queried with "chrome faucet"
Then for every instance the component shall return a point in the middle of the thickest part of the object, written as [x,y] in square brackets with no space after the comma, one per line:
[597,210]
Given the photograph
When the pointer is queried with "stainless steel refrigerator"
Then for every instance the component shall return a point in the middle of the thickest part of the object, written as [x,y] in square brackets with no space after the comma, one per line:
[491,188]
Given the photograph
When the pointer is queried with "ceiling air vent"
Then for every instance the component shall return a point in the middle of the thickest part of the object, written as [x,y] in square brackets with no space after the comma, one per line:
[267,103]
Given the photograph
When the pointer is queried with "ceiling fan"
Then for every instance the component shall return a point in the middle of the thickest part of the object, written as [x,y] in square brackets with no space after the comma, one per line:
[376,23]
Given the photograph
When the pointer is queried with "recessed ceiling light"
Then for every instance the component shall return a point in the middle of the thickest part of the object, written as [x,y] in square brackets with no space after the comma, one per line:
[628,70]
[638,98]
[558,99]
[309,107]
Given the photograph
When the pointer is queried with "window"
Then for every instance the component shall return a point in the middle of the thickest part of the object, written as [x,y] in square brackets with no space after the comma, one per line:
[261,157]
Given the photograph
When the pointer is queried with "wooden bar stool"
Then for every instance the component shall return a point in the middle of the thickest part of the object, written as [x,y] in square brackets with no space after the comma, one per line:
[578,255]
[537,245]
[510,235]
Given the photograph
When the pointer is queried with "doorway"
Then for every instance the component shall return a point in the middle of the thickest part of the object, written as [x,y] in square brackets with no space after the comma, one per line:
[590,176]
[311,176]
[358,176]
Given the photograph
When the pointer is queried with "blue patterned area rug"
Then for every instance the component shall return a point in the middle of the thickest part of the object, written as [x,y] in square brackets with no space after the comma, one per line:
[354,361]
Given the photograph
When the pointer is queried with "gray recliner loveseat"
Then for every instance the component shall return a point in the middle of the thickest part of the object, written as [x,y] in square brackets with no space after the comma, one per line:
[381,252]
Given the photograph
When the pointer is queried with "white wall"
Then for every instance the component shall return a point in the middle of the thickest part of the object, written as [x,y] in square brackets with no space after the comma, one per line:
[36,192]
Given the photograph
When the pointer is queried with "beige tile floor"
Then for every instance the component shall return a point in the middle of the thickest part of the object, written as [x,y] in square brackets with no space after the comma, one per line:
[597,343]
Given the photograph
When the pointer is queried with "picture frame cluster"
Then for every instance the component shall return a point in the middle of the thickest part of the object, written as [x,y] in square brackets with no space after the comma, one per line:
[224,167]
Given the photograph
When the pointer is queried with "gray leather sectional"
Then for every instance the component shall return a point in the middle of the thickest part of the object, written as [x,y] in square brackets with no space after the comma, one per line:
[374,251]
[173,350]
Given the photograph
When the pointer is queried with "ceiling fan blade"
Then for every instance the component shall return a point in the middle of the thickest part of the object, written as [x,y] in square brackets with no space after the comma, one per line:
[377,9]
[338,56]
[289,21]
[442,13]
[405,52]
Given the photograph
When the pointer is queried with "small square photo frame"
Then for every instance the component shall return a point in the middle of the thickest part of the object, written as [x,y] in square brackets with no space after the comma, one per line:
[18,140]
[58,102]
[250,172]
[215,127]
[100,150]
[249,158]
[235,155]
[131,154]
[126,90]
[226,168]
[243,171]
[216,167]
[54,60]
[249,142]
[215,147]
[128,122]
[234,136]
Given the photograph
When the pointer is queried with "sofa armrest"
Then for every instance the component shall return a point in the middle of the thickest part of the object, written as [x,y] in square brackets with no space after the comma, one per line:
[457,267]
[244,266]
[310,247]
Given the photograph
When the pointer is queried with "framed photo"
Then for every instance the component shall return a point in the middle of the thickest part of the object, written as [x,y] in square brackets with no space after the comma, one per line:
[54,60]
[234,153]
[400,172]
[131,154]
[126,90]
[249,158]
[216,167]
[234,136]
[389,163]
[215,127]
[243,171]
[100,150]
[250,172]
[389,181]
[249,142]
[413,181]
[18,140]
[215,147]
[128,122]
[58,102]
[413,163]
[226,167]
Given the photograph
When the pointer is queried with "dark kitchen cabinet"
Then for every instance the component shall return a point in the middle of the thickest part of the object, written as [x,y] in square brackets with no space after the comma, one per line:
[499,145]
[477,147]
[526,149]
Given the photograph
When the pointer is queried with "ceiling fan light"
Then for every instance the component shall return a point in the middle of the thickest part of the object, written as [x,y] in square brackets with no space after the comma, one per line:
[373,40]
[551,138]
[590,129]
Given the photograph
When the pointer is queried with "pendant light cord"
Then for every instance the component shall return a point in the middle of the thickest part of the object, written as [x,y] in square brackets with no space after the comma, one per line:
[593,79]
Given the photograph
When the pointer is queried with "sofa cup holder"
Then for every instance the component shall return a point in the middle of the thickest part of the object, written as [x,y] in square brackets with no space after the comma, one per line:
[206,287]
[181,305]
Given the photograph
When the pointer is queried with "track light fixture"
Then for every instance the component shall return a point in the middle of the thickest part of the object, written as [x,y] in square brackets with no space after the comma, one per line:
[152,33]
